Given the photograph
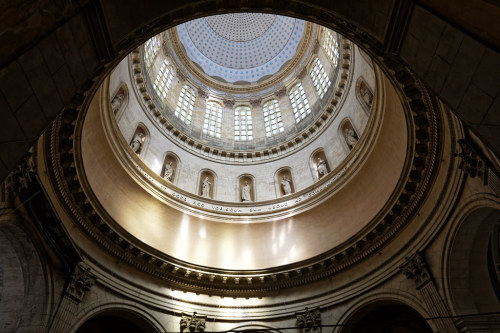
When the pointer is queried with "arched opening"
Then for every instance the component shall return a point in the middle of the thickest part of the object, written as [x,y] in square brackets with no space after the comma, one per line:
[349,134]
[473,280]
[117,321]
[385,317]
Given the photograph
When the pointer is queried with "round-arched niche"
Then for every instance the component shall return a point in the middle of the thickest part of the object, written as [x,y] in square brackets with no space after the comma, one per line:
[226,197]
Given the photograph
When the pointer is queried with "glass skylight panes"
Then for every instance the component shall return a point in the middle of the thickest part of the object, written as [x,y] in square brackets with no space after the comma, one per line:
[243,128]
[213,119]
[163,80]
[299,102]
[330,46]
[185,104]
[319,78]
[151,48]
[272,118]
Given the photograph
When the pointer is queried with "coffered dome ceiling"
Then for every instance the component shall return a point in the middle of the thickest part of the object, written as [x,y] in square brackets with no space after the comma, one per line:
[242,46]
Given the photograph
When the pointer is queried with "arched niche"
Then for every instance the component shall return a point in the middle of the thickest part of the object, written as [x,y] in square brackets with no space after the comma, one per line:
[319,164]
[140,139]
[170,168]
[119,101]
[117,320]
[246,188]
[386,317]
[348,134]
[471,275]
[364,94]
[206,184]
[283,181]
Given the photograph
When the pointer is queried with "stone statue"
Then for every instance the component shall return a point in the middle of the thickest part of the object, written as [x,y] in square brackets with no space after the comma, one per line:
[350,138]
[245,192]
[136,143]
[366,95]
[322,169]
[285,185]
[169,172]
[117,102]
[205,188]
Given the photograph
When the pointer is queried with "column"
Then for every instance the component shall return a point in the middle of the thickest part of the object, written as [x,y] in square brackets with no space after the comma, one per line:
[415,269]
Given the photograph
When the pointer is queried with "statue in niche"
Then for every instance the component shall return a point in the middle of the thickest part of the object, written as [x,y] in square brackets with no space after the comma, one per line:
[136,143]
[350,137]
[366,94]
[286,186]
[322,169]
[205,188]
[169,172]
[245,192]
[117,102]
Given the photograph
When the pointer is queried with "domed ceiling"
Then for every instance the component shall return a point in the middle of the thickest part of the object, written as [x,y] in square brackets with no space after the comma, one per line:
[242,46]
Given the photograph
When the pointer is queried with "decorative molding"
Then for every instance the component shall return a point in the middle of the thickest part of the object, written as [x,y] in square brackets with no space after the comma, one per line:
[192,323]
[280,92]
[256,102]
[19,178]
[80,282]
[181,75]
[309,321]
[302,73]
[415,268]
[202,93]
[471,164]
[228,102]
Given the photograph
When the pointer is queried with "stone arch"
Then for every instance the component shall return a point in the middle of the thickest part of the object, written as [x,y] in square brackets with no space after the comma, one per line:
[119,101]
[348,134]
[472,280]
[314,164]
[140,139]
[385,314]
[211,176]
[364,94]
[243,180]
[278,178]
[25,277]
[132,313]
[174,163]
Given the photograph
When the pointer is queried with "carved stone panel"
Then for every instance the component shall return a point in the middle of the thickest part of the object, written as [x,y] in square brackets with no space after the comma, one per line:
[192,323]
[309,321]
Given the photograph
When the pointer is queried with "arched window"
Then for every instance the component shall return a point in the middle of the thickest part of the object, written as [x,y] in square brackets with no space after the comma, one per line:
[330,45]
[213,119]
[319,77]
[243,129]
[185,104]
[298,99]
[151,48]
[272,118]
[163,80]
